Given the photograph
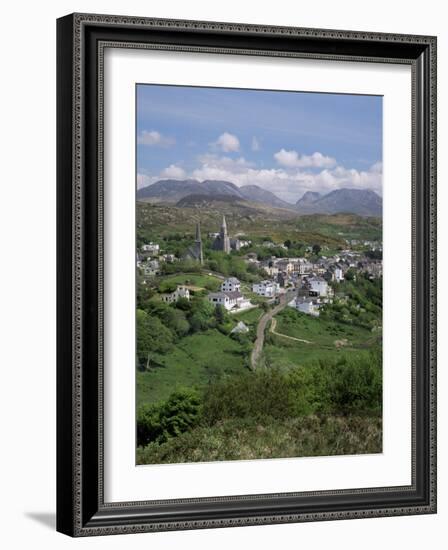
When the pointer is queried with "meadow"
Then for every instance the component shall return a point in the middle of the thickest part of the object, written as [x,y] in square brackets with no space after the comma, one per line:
[196,360]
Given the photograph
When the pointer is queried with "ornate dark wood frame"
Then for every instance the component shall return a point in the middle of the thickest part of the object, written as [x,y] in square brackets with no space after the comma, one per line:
[81,39]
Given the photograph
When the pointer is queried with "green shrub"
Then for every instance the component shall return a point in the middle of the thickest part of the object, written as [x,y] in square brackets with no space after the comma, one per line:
[248,439]
[168,419]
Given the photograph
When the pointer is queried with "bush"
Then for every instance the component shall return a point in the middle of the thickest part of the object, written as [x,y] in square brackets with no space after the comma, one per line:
[158,423]
[246,439]
[355,385]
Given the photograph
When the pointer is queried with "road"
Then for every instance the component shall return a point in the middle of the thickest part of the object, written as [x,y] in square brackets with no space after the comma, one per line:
[258,345]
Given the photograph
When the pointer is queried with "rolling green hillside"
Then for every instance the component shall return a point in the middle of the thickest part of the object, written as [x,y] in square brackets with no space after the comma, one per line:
[155,221]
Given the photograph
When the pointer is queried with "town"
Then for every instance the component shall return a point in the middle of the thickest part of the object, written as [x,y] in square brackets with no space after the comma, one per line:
[309,281]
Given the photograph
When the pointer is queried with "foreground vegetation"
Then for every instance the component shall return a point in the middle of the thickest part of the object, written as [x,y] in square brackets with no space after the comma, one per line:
[244,439]
[328,407]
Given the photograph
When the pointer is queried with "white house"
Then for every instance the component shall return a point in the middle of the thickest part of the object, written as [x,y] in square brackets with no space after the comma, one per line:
[268,289]
[151,248]
[232,284]
[169,258]
[151,268]
[309,306]
[338,275]
[303,267]
[231,301]
[285,265]
[271,271]
[318,285]
[180,292]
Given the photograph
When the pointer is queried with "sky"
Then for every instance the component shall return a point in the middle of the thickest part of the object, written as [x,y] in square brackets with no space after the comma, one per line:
[285,142]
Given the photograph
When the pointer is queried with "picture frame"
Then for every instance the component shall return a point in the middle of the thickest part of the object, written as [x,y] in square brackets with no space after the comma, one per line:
[81,506]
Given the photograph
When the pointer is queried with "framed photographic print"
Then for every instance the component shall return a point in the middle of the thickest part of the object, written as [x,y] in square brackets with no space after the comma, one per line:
[246,274]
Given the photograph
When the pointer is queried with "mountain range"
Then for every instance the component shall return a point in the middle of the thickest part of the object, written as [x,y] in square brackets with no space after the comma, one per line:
[363,202]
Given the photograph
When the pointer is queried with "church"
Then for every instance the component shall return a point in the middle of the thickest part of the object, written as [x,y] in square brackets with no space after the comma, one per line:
[222,242]
[194,252]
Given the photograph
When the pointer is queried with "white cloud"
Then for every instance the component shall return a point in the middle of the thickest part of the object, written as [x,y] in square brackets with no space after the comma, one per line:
[377,167]
[173,171]
[227,143]
[154,139]
[287,184]
[255,146]
[292,159]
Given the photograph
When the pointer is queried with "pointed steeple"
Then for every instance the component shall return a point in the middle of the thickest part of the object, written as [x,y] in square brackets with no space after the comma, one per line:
[198,232]
[225,241]
[198,244]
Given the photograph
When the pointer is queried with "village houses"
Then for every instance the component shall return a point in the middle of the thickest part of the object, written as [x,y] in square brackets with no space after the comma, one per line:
[180,292]
[230,296]
[266,288]
[152,249]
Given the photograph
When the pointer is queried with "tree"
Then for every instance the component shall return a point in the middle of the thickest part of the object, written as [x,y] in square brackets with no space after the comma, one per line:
[176,320]
[170,418]
[220,314]
[316,249]
[350,274]
[152,336]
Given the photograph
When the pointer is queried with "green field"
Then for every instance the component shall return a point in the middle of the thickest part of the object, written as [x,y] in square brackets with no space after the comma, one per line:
[249,317]
[345,226]
[323,336]
[201,280]
[195,361]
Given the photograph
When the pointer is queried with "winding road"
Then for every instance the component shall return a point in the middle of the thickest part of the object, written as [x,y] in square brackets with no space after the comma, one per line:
[258,345]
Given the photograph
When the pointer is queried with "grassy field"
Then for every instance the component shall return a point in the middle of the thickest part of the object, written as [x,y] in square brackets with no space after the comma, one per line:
[249,317]
[326,338]
[323,332]
[200,280]
[345,226]
[195,361]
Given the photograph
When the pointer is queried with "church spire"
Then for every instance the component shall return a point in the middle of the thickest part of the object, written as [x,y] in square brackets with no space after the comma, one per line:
[225,241]
[198,232]
[198,244]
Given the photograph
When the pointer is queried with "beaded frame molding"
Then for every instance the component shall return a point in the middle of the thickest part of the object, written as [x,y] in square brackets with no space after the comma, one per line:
[81,40]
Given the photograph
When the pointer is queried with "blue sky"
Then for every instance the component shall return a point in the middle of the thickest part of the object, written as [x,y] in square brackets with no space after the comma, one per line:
[286,142]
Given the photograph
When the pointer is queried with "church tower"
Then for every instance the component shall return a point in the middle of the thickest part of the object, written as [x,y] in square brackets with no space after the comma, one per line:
[198,244]
[225,240]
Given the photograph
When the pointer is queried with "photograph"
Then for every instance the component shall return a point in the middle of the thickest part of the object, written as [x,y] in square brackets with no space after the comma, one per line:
[259,271]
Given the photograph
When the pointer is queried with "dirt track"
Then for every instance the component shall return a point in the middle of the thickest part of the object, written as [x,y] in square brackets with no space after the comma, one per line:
[262,324]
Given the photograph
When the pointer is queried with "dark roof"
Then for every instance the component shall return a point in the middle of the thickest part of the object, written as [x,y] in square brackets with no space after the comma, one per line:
[234,295]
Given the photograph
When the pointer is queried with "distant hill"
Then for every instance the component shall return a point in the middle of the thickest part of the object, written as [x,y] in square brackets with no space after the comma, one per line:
[356,201]
[198,201]
[174,190]
[308,198]
[232,206]
[363,202]
[254,193]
